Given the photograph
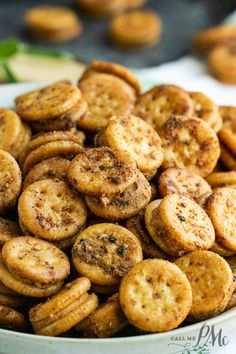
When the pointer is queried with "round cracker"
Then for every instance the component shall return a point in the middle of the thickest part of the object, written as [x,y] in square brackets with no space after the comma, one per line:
[107,320]
[211,280]
[101,171]
[136,28]
[123,205]
[8,230]
[12,319]
[10,181]
[106,96]
[20,287]
[179,225]
[36,260]
[155,296]
[221,208]
[205,108]
[184,182]
[105,252]
[55,167]
[222,179]
[51,210]
[157,105]
[189,143]
[133,135]
[63,148]
[48,102]
[10,127]
[114,69]
[69,294]
[65,122]
[71,318]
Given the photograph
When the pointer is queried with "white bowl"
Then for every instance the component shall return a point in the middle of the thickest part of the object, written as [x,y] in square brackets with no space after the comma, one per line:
[214,336]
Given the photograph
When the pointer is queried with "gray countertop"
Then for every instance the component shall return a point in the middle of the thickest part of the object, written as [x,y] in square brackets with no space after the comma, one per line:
[181,18]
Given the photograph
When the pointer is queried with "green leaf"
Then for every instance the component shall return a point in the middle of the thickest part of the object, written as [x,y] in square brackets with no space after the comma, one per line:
[8,48]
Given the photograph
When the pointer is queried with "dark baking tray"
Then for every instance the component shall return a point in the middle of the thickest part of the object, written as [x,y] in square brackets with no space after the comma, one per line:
[181,18]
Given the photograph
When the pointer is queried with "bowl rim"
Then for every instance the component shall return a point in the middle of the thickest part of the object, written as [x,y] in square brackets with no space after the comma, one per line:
[226,316]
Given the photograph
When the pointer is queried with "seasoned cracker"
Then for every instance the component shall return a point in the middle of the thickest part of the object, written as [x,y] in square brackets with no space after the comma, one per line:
[35,260]
[62,148]
[123,205]
[66,121]
[51,210]
[107,320]
[104,253]
[221,208]
[8,230]
[114,69]
[189,143]
[155,296]
[10,181]
[19,286]
[182,181]
[157,105]
[137,226]
[49,102]
[179,225]
[12,319]
[106,95]
[133,135]
[211,281]
[101,171]
[55,167]
[136,28]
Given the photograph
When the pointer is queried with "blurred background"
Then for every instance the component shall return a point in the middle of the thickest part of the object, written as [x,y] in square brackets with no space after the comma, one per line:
[180,18]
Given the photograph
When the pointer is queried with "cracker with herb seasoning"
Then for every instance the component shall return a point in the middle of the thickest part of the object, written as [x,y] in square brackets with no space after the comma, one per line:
[8,230]
[157,105]
[221,209]
[66,121]
[51,210]
[12,319]
[114,69]
[189,143]
[105,252]
[63,311]
[35,260]
[122,205]
[133,135]
[179,225]
[207,110]
[184,182]
[106,95]
[64,148]
[10,181]
[211,280]
[137,226]
[55,167]
[100,171]
[21,287]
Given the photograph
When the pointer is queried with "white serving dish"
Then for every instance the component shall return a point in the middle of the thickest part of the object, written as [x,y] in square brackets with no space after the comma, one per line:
[217,335]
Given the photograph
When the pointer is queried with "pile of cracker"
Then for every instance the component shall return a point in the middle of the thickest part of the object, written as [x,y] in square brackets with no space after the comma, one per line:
[219,45]
[129,27]
[118,208]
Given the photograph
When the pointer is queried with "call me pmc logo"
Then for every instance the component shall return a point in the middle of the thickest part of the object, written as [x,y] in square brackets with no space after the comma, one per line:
[208,337]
